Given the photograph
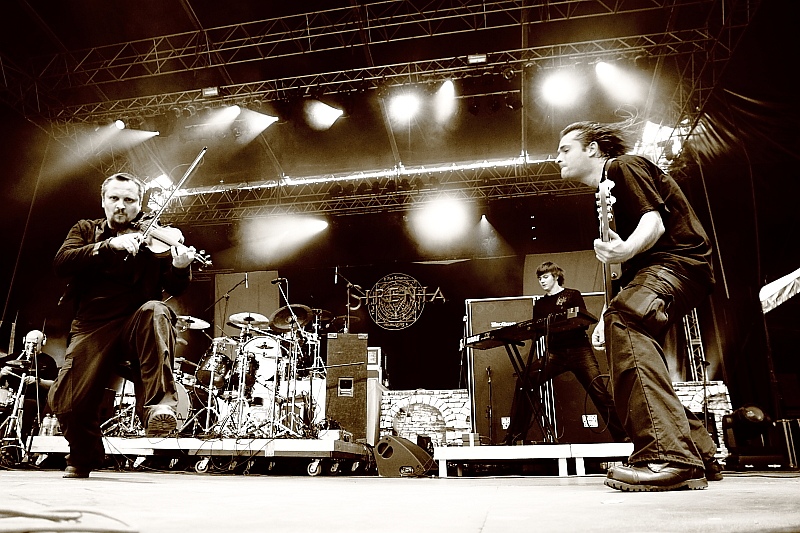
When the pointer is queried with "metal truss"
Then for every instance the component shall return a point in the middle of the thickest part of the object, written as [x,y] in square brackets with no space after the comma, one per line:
[392,190]
[368,24]
[699,51]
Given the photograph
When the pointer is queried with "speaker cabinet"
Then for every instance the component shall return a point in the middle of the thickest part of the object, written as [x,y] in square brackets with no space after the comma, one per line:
[346,383]
[491,378]
[399,457]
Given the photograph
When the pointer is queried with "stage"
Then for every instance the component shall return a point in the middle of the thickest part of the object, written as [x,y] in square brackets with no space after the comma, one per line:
[159,501]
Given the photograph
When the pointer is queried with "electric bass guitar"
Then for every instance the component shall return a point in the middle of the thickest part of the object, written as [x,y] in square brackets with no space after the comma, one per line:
[605,201]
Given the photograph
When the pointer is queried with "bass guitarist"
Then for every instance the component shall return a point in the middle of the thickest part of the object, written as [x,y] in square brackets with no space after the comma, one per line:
[666,271]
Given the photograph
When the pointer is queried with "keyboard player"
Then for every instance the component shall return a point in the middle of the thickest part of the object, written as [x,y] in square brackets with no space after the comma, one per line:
[566,351]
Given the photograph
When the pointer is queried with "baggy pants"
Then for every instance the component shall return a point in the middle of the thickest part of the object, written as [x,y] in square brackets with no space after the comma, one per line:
[143,345]
[636,322]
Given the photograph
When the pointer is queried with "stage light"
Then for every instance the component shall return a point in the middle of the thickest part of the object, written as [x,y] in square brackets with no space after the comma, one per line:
[209,92]
[163,181]
[445,101]
[404,107]
[441,221]
[119,124]
[278,238]
[562,88]
[618,83]
[476,59]
[320,116]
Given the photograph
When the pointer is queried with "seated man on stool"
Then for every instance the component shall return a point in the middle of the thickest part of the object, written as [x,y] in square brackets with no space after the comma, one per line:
[38,368]
[120,320]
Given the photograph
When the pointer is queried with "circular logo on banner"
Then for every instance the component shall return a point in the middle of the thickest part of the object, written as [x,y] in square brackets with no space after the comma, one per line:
[396,301]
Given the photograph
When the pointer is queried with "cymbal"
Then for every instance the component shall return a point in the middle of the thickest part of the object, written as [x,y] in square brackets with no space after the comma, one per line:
[190,322]
[224,340]
[338,323]
[282,319]
[242,320]
[324,316]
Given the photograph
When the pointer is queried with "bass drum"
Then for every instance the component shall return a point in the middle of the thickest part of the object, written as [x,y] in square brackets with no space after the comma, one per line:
[124,423]
[265,358]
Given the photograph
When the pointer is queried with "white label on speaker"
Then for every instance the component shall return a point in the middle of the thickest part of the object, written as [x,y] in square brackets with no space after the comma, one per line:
[590,421]
[505,421]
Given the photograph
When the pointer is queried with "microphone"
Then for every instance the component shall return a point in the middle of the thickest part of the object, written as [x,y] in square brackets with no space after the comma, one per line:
[246,283]
[336,276]
[277,280]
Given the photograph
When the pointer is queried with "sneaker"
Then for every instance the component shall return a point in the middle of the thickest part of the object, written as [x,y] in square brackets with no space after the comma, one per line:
[161,422]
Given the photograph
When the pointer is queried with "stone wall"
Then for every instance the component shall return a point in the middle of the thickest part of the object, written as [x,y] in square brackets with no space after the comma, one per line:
[442,415]
[691,394]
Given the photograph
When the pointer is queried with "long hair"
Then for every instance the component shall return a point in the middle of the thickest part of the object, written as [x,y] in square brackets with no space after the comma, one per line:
[610,138]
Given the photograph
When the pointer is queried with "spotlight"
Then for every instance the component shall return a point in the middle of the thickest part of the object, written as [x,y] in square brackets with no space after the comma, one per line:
[508,73]
[119,124]
[391,186]
[209,92]
[476,59]
[363,188]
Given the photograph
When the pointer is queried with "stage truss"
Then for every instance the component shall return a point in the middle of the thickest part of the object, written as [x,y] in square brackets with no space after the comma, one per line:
[64,92]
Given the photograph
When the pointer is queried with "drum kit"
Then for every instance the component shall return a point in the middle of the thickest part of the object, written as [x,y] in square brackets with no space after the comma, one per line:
[259,383]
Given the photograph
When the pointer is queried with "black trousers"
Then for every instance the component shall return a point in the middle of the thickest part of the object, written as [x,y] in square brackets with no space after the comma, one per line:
[141,348]
[583,364]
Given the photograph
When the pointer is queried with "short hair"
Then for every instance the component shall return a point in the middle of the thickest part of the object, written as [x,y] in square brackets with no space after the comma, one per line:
[609,137]
[123,176]
[548,267]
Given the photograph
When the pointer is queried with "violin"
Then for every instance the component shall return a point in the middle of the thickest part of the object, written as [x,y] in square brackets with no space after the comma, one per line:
[160,239]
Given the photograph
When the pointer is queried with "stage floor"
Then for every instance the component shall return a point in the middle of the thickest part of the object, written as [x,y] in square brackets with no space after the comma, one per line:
[159,501]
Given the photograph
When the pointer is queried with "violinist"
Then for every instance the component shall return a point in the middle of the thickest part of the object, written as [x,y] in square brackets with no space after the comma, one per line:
[120,325]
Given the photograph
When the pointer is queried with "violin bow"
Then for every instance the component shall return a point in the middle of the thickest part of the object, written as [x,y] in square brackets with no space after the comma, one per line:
[161,209]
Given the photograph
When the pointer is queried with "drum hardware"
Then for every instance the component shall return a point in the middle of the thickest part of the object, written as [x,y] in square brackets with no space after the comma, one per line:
[187,322]
[247,319]
[126,423]
[11,428]
[290,317]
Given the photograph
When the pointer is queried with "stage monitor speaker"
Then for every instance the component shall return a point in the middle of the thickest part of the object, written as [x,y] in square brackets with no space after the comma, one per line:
[399,457]
[346,383]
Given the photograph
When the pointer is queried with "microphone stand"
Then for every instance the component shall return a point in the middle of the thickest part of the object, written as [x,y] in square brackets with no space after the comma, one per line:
[360,294]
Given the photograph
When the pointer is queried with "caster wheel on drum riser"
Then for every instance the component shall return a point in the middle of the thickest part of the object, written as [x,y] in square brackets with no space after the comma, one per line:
[201,467]
[314,468]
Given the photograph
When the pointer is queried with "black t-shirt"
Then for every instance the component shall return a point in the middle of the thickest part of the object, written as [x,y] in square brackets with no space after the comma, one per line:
[558,304]
[641,186]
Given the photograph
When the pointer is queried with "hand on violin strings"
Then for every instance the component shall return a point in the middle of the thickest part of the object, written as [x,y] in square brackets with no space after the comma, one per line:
[183,257]
[129,242]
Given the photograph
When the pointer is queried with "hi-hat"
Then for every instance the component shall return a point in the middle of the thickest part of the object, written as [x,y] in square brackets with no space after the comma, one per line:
[189,322]
[243,320]
[284,318]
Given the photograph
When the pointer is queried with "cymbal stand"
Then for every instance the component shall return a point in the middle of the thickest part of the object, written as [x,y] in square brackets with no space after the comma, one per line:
[11,428]
[288,422]
[237,412]
[209,408]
